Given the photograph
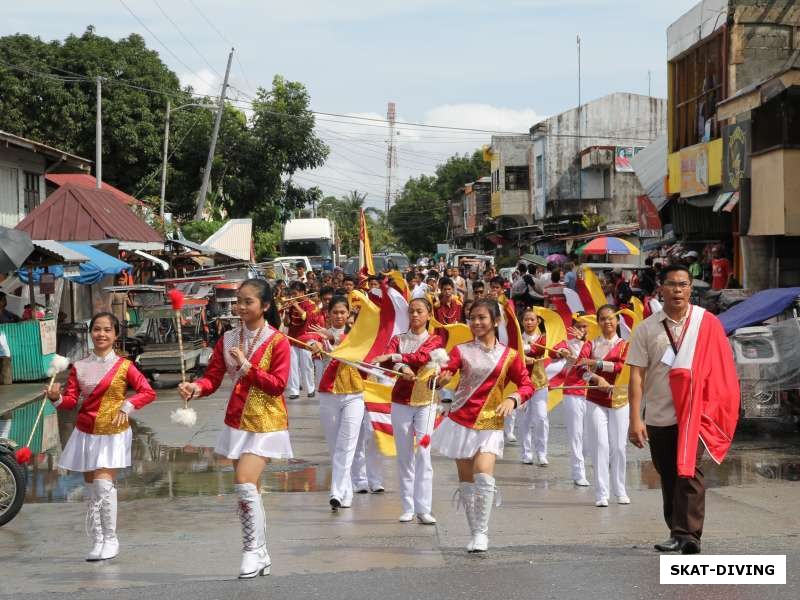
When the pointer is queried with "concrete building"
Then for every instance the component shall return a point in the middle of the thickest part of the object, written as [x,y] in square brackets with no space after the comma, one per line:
[580,158]
[511,194]
[734,91]
[23,166]
[468,212]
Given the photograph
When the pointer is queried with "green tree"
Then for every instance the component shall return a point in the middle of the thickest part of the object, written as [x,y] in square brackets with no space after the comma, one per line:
[419,218]
[199,231]
[345,212]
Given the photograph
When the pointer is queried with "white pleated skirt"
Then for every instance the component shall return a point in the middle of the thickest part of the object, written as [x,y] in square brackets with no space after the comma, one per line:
[456,441]
[88,452]
[232,443]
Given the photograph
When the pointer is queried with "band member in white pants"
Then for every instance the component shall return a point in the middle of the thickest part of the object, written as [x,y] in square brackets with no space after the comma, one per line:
[534,425]
[411,412]
[341,407]
[367,470]
[607,409]
[575,400]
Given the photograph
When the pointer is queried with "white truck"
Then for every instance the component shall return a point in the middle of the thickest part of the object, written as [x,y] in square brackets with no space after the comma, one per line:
[314,238]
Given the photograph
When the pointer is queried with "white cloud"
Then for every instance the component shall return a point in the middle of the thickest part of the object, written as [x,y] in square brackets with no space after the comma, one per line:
[358,147]
[203,81]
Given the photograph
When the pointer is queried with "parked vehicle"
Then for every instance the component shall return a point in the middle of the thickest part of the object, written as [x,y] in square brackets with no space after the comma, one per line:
[12,482]
[314,238]
[764,331]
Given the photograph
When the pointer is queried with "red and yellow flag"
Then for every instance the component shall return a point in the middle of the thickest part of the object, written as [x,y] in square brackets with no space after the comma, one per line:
[365,265]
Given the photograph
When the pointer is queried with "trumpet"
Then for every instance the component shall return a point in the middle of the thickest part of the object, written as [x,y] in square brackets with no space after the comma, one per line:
[285,302]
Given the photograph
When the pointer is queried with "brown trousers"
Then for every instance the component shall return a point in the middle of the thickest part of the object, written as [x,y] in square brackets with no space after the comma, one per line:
[684,498]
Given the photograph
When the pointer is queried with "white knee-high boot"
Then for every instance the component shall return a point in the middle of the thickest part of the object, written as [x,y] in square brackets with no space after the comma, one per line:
[465,495]
[94,527]
[484,499]
[106,497]
[255,560]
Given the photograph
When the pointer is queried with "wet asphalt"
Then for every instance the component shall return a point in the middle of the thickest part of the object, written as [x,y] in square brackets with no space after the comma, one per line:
[180,536]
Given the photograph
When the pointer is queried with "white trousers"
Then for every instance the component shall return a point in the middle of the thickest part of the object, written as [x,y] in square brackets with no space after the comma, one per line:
[341,416]
[534,426]
[574,414]
[606,436]
[509,422]
[367,470]
[301,372]
[413,465]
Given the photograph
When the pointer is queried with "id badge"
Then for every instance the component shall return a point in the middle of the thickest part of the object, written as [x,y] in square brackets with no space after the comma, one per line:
[669,357]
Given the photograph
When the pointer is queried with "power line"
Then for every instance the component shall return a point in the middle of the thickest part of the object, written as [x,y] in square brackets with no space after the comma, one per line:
[167,48]
[211,24]
[186,39]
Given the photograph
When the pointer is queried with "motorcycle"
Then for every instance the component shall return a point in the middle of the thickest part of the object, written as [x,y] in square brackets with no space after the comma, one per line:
[12,482]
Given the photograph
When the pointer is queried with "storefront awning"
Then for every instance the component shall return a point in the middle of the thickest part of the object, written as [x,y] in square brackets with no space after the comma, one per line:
[98,266]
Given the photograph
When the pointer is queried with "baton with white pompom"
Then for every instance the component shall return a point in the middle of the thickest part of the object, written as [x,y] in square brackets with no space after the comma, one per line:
[182,416]
[438,360]
[57,365]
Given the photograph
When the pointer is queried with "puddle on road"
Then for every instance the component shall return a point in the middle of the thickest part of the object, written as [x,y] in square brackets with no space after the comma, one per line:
[165,472]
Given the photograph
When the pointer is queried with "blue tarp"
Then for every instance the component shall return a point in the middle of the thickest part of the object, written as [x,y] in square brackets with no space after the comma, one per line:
[99,266]
[758,308]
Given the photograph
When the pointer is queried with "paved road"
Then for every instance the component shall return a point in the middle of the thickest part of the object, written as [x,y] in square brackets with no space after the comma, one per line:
[180,535]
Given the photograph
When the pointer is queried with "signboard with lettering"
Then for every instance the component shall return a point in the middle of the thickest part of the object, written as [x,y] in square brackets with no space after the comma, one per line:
[623,156]
[694,170]
[47,334]
[736,155]
[649,219]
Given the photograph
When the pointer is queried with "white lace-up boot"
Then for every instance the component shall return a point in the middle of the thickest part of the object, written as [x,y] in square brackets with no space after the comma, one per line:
[255,560]
[484,499]
[106,495]
[465,495]
[94,528]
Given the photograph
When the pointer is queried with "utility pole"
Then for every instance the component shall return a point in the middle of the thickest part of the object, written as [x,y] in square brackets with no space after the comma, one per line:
[164,164]
[391,154]
[98,137]
[580,119]
[649,73]
[201,198]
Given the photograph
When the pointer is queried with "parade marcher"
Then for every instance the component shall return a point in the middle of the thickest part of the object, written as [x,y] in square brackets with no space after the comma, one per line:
[412,411]
[607,410]
[301,314]
[449,309]
[472,432]
[100,444]
[256,357]
[575,399]
[341,406]
[683,375]
[497,292]
[534,425]
[366,472]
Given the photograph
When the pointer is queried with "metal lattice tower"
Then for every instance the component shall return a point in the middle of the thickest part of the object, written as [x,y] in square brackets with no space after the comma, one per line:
[391,153]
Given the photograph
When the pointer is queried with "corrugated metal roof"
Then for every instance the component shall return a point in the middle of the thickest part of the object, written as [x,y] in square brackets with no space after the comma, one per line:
[88,181]
[60,251]
[73,213]
[21,142]
[234,238]
[650,165]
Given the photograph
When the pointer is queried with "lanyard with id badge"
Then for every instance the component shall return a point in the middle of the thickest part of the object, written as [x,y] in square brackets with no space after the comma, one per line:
[672,351]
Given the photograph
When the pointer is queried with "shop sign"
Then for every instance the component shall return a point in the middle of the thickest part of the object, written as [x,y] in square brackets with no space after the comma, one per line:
[47,334]
[623,156]
[649,219]
[694,170]
[736,158]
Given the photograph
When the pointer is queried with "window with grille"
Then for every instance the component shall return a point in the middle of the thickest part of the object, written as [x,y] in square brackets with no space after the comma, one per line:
[31,191]
[697,87]
[517,178]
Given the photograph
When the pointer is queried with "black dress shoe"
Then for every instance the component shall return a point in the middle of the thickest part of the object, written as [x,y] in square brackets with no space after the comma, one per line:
[670,545]
[311,395]
[690,547]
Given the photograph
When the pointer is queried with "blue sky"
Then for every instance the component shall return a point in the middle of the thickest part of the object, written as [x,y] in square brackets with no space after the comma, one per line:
[498,65]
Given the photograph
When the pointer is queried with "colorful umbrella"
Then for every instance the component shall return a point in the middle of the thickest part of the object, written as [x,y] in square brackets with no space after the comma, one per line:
[609,245]
[556,258]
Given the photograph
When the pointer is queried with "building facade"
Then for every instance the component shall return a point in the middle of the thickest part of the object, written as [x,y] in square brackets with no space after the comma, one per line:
[734,78]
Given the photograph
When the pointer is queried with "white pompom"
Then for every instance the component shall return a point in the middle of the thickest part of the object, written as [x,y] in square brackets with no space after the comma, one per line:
[58,364]
[184,416]
[526,348]
[440,357]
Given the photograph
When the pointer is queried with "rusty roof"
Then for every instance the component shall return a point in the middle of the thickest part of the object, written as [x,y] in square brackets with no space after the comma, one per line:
[88,181]
[74,213]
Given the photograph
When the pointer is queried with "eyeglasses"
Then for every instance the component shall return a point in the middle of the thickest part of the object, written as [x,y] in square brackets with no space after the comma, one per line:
[677,284]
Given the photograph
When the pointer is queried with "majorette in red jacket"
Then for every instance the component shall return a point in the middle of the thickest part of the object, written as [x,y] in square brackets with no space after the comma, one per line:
[413,351]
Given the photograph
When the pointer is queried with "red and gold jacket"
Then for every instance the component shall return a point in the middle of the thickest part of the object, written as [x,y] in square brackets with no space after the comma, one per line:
[299,327]
[485,374]
[103,382]
[256,403]
[449,313]
[612,354]
[413,351]
[339,378]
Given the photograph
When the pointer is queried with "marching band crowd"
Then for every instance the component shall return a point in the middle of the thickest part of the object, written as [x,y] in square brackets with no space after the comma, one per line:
[464,401]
